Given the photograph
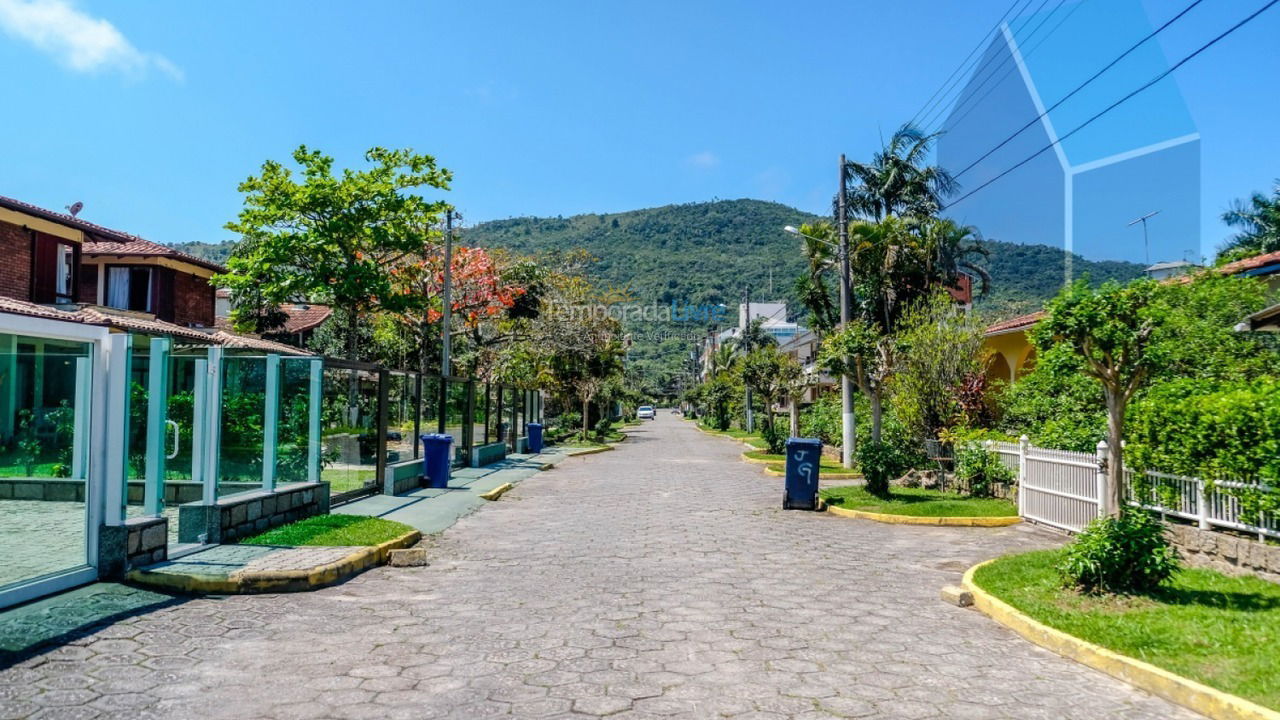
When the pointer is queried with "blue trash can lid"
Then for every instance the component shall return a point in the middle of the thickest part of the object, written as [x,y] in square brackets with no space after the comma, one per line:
[437,437]
[535,424]
[814,442]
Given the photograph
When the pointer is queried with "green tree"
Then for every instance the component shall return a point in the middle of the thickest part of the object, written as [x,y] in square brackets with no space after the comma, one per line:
[1110,328]
[330,237]
[1258,222]
[811,286]
[938,348]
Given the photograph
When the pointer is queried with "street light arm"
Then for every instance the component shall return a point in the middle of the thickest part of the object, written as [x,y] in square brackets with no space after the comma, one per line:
[794,231]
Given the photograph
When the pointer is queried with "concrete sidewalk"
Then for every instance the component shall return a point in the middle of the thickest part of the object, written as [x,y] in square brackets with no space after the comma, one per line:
[433,510]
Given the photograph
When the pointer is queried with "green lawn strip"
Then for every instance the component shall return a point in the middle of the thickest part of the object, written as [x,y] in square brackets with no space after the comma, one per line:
[918,502]
[778,462]
[332,530]
[752,439]
[1218,630]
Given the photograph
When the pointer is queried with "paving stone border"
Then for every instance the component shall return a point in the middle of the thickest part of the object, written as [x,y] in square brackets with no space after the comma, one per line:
[1188,693]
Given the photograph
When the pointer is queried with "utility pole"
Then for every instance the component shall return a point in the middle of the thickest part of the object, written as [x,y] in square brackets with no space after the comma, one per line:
[447,294]
[746,301]
[846,383]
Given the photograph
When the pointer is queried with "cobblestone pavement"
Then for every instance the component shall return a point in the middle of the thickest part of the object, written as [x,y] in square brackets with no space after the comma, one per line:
[660,579]
[38,537]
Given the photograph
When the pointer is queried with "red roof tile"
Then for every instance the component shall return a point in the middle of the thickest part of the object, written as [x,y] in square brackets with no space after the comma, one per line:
[138,247]
[1250,263]
[1019,323]
[303,317]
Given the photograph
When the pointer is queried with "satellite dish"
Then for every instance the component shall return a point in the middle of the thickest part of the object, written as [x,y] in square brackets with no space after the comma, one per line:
[75,208]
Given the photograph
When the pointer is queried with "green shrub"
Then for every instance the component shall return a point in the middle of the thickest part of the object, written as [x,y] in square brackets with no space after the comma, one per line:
[775,436]
[981,469]
[603,426]
[880,463]
[1124,554]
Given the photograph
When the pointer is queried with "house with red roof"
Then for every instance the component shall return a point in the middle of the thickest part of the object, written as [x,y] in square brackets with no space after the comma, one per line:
[1011,354]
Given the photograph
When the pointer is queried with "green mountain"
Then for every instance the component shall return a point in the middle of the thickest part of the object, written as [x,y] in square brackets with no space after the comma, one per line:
[705,254]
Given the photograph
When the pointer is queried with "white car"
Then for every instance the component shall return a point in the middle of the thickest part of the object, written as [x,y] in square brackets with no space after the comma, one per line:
[645,412]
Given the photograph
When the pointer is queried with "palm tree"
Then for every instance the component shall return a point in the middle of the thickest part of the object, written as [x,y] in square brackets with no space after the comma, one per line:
[1259,224]
[952,249]
[811,286]
[753,337]
[897,181]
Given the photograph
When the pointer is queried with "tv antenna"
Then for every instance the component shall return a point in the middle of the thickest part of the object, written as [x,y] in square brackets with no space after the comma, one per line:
[1146,246]
[75,208]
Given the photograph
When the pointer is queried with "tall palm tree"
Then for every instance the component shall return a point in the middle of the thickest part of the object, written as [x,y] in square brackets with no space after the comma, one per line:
[952,249]
[897,180]
[811,286]
[1259,224]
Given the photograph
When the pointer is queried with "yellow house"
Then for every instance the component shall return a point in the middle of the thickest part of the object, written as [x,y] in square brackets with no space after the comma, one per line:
[1011,352]
[1010,349]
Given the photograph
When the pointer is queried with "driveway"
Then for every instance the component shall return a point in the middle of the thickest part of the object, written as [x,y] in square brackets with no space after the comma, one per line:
[660,579]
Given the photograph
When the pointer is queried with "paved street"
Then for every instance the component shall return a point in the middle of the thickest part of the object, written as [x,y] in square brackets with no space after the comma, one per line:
[660,579]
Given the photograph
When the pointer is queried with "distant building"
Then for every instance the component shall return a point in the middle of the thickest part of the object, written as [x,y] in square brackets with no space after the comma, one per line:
[1083,191]
[1164,270]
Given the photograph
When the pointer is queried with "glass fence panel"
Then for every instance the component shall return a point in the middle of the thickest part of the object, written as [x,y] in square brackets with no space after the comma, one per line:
[509,396]
[294,413]
[522,410]
[430,404]
[455,420]
[244,398]
[350,420]
[493,414]
[402,414]
[44,407]
[136,455]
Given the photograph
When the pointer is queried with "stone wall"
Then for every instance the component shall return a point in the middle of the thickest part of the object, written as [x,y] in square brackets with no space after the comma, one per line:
[176,492]
[1228,553]
[240,516]
[138,542]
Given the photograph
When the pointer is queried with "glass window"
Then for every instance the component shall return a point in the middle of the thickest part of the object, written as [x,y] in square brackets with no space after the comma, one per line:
[66,269]
[129,288]
[43,412]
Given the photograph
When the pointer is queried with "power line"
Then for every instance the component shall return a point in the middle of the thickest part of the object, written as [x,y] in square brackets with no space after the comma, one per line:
[938,116]
[974,104]
[961,69]
[1080,87]
[1117,103]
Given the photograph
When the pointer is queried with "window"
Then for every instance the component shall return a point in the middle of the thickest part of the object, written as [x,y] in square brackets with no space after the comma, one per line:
[53,269]
[129,288]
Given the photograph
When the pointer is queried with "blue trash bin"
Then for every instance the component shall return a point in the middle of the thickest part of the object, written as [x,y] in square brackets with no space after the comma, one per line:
[535,437]
[435,459]
[804,458]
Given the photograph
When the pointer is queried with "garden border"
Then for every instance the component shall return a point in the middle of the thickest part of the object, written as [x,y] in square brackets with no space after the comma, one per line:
[998,521]
[1183,691]
[240,582]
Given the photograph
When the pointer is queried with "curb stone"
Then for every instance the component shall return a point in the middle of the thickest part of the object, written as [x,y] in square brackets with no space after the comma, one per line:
[1188,693]
[274,581]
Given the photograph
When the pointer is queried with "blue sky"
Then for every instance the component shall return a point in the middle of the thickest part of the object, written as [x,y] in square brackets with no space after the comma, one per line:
[152,112]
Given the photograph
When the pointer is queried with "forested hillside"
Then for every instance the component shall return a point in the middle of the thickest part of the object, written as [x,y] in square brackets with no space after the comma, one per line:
[709,253]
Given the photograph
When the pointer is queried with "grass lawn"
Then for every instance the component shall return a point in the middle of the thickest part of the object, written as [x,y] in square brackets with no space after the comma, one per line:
[918,502]
[827,463]
[752,439]
[1218,630]
[332,530]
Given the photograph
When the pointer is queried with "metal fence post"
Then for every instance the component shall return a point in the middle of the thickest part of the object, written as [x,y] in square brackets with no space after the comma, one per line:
[1202,504]
[270,422]
[1024,443]
[157,426]
[1102,490]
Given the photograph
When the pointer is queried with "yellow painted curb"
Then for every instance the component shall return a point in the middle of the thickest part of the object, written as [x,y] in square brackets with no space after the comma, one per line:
[273,581]
[497,492]
[589,451]
[913,520]
[1188,693]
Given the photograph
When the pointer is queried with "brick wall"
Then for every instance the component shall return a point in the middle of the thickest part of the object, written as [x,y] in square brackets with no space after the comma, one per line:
[88,291]
[193,300]
[15,271]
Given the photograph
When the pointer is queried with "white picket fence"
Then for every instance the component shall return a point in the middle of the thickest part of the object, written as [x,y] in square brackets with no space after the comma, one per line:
[1064,489]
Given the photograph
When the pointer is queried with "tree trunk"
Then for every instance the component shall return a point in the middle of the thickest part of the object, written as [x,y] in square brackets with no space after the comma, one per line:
[1116,406]
[794,412]
[876,414]
[586,415]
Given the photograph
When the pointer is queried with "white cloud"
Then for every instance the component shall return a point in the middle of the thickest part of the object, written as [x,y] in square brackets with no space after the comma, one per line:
[704,160]
[77,40]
